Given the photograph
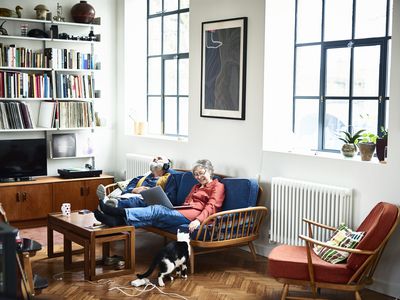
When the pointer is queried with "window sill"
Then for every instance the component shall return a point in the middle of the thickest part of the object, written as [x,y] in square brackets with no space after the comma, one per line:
[327,155]
[160,137]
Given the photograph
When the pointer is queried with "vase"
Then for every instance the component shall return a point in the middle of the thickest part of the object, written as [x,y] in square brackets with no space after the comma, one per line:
[348,150]
[380,148]
[366,150]
[83,12]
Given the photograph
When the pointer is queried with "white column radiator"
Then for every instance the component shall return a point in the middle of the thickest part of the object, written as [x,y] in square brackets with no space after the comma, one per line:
[293,200]
[137,165]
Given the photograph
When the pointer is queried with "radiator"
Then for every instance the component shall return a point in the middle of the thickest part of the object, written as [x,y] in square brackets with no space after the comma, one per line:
[137,165]
[293,200]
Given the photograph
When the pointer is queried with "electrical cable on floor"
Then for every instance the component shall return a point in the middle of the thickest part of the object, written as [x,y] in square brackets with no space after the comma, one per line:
[147,288]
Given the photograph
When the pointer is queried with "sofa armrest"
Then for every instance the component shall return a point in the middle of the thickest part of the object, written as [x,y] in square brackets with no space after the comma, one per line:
[110,187]
[232,224]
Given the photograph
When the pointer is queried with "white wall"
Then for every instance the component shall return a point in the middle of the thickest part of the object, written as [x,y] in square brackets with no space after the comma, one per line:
[236,148]
[103,139]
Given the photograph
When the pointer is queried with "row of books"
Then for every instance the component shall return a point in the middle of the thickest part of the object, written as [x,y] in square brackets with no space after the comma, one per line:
[21,57]
[74,86]
[65,114]
[23,85]
[15,115]
[69,59]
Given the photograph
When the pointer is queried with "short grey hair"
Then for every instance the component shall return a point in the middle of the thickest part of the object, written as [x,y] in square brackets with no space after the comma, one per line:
[204,164]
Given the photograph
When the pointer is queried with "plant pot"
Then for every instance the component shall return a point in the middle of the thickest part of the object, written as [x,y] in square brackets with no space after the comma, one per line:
[366,150]
[348,150]
[380,148]
[83,12]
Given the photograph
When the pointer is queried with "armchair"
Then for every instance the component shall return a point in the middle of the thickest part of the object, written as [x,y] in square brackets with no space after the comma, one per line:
[299,265]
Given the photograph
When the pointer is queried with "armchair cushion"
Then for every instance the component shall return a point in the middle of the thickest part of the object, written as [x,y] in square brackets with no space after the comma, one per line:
[239,193]
[342,237]
[291,262]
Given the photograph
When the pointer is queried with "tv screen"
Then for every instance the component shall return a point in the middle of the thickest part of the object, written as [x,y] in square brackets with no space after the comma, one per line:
[23,158]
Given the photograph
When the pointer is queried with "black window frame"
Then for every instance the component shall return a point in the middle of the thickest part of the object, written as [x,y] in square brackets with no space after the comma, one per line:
[382,98]
[164,57]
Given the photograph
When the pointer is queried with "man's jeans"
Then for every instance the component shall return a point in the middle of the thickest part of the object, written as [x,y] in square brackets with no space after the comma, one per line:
[134,201]
[154,215]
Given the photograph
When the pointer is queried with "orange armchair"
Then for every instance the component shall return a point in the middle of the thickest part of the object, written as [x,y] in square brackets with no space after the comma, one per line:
[299,265]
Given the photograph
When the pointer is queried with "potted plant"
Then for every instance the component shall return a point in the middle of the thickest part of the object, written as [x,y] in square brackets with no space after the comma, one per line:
[381,144]
[350,142]
[367,145]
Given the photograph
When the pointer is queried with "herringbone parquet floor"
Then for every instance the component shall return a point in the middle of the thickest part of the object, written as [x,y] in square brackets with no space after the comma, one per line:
[231,274]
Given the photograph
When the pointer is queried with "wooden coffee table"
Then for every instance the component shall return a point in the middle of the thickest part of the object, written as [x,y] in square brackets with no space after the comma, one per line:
[76,228]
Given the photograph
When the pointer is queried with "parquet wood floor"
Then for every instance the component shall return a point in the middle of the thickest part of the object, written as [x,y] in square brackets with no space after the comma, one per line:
[224,275]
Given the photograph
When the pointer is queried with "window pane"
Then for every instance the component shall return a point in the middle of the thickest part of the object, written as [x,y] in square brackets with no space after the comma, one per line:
[170,78]
[309,20]
[170,34]
[155,6]
[336,119]
[155,115]
[184,4]
[154,36]
[171,126]
[170,5]
[184,33]
[366,71]
[337,72]
[307,71]
[183,115]
[154,80]
[306,123]
[365,115]
[370,18]
[338,19]
[390,17]
[184,76]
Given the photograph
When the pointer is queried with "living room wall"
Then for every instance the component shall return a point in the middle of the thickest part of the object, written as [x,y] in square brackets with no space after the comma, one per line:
[236,147]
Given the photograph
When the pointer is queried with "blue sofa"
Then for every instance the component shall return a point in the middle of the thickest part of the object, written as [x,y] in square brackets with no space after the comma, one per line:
[237,224]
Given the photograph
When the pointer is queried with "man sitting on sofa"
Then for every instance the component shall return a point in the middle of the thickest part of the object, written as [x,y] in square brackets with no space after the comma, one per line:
[129,196]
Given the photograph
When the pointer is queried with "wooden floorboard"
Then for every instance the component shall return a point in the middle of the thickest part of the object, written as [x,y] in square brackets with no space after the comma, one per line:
[232,274]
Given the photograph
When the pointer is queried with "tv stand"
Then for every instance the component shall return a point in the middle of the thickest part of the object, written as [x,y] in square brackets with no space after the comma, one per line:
[17,179]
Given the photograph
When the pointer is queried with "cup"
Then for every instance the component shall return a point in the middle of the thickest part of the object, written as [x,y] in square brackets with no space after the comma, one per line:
[66,209]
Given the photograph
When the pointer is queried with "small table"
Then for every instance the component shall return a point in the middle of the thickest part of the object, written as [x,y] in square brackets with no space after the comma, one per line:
[78,228]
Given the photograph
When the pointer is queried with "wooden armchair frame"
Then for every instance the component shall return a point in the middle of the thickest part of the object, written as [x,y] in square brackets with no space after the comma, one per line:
[361,278]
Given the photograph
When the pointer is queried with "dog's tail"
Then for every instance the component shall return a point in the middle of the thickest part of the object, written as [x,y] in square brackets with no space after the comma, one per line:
[150,270]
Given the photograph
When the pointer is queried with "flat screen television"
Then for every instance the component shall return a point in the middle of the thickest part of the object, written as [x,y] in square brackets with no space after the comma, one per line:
[22,159]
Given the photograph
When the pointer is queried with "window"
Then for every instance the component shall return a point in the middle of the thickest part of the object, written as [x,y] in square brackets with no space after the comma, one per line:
[168,67]
[341,69]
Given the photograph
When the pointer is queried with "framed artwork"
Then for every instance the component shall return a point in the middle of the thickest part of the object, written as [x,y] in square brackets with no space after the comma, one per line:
[63,145]
[223,68]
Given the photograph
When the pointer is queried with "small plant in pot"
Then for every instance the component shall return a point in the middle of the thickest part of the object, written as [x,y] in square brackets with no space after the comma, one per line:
[350,142]
[381,144]
[367,145]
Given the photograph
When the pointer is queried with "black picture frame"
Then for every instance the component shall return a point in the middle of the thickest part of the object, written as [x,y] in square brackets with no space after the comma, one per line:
[223,69]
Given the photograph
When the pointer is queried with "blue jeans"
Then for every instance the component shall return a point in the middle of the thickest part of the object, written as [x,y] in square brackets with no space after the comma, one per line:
[154,215]
[134,201]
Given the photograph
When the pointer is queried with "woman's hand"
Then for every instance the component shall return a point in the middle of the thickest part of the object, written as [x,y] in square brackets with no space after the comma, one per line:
[194,225]
[139,189]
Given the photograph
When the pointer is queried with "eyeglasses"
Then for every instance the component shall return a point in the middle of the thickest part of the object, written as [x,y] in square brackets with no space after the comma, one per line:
[198,174]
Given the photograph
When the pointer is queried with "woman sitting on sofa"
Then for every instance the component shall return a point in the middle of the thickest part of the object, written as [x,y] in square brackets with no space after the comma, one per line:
[205,199]
[159,175]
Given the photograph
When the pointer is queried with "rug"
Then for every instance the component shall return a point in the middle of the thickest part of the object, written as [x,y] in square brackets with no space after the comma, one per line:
[39,234]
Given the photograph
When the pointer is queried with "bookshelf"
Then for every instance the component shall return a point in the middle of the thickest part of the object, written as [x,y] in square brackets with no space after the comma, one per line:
[48,84]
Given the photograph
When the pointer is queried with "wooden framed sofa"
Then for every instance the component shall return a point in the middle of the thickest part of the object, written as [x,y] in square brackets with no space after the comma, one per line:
[237,224]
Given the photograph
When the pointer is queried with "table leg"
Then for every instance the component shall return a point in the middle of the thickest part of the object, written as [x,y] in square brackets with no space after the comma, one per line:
[28,271]
[132,249]
[92,258]
[106,250]
[87,261]
[67,253]
[50,241]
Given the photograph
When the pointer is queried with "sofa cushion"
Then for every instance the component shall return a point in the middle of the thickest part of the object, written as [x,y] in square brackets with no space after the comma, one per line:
[291,262]
[239,193]
[186,183]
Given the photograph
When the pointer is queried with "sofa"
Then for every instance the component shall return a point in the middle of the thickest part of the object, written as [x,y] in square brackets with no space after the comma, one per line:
[237,224]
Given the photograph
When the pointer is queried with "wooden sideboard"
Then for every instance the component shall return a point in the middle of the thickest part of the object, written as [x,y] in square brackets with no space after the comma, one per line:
[27,203]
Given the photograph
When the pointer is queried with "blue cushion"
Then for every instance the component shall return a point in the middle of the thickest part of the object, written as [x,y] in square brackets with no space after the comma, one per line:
[239,193]
[185,186]
[173,185]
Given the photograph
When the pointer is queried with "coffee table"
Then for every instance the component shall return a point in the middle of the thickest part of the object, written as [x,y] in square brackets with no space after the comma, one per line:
[78,228]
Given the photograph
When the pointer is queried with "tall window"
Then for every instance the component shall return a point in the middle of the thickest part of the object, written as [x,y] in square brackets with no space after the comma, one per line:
[168,67]
[341,69]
